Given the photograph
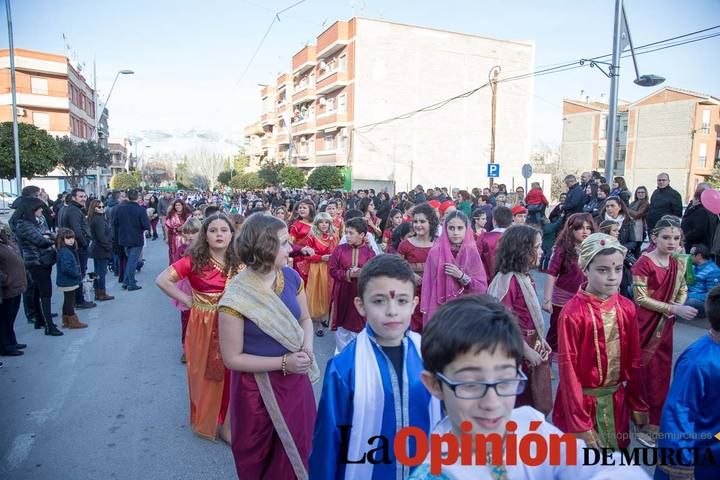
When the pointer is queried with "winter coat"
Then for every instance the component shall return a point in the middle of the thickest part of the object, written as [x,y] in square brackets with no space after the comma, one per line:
[13,279]
[129,222]
[32,242]
[68,268]
[664,201]
[101,244]
[73,217]
[698,226]
[574,200]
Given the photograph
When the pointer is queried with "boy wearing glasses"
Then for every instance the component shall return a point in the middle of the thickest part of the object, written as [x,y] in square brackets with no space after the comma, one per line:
[372,388]
[473,351]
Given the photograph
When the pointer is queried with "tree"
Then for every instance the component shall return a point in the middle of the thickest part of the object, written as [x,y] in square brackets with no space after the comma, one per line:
[247,181]
[240,163]
[124,181]
[714,178]
[547,160]
[78,158]
[224,177]
[39,152]
[326,178]
[270,173]
[201,182]
[292,177]
[157,172]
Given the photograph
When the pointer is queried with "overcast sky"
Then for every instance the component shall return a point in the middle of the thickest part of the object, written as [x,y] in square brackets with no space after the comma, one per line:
[188,55]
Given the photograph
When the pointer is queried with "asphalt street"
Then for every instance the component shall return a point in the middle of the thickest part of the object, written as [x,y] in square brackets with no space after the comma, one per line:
[110,401]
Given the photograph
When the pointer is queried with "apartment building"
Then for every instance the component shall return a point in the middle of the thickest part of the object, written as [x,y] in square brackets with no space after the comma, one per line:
[119,151]
[671,130]
[365,71]
[51,94]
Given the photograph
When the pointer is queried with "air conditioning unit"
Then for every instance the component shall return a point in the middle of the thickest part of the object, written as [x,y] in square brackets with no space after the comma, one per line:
[344,131]
[322,101]
[21,112]
[323,65]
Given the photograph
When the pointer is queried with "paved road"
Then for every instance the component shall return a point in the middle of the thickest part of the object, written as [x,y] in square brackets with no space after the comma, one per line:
[110,401]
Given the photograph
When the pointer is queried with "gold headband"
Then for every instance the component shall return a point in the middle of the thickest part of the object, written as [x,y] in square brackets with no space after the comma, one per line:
[596,243]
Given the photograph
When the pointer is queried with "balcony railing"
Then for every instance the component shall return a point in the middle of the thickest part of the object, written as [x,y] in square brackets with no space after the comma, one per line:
[333,81]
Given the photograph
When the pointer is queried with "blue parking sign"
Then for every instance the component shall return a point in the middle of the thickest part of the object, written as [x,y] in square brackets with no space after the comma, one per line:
[493,170]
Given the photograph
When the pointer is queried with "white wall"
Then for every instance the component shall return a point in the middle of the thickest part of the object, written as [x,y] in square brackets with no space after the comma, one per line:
[401,68]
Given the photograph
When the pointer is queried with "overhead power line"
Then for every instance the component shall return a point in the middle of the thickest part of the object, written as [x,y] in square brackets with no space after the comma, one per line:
[554,68]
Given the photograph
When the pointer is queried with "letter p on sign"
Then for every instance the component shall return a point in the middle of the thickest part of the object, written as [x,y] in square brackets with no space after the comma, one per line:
[493,170]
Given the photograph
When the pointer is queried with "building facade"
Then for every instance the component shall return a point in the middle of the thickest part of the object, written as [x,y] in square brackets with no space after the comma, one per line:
[365,71]
[671,130]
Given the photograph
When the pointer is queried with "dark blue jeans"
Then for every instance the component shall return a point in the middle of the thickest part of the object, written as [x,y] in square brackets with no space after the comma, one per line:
[101,265]
[133,254]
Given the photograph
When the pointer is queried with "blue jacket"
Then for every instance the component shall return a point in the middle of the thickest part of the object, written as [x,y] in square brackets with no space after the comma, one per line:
[707,275]
[130,220]
[68,268]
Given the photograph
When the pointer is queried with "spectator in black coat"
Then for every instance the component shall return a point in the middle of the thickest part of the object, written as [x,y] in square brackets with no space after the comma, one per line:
[100,247]
[129,222]
[575,198]
[698,223]
[664,201]
[73,216]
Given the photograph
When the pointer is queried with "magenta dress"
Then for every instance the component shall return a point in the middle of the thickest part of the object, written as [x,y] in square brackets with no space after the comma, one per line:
[256,446]
[568,283]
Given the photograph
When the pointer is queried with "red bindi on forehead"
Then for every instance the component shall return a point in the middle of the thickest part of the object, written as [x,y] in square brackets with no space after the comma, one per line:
[392,294]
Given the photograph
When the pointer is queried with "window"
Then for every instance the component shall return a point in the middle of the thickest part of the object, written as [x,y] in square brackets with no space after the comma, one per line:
[329,141]
[342,100]
[706,122]
[39,85]
[41,120]
[603,126]
[342,143]
[329,104]
[342,65]
[702,160]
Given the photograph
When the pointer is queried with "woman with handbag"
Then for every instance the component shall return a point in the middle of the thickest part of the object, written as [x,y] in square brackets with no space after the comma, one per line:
[519,251]
[37,247]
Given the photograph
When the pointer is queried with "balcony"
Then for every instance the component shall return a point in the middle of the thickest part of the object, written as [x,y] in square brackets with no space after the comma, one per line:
[267,119]
[282,139]
[302,95]
[304,60]
[333,39]
[38,101]
[329,120]
[281,107]
[331,82]
[304,127]
[267,91]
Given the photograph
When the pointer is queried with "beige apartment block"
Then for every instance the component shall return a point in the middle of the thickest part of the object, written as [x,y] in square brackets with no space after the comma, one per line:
[364,71]
[671,130]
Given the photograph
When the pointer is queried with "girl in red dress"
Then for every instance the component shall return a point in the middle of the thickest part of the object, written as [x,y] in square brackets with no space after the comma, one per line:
[322,240]
[394,220]
[659,291]
[299,231]
[564,275]
[178,213]
[367,207]
[519,251]
[415,250]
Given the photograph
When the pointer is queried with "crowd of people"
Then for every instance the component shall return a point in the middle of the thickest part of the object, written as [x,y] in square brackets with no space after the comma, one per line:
[430,296]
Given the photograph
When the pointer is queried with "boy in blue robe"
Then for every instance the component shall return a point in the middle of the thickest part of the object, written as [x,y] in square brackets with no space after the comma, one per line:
[691,418]
[373,388]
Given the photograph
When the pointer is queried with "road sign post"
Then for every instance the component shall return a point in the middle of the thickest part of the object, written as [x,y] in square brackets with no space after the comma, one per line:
[527,172]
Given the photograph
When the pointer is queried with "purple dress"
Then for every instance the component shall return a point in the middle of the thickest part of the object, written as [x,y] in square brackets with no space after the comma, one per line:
[256,446]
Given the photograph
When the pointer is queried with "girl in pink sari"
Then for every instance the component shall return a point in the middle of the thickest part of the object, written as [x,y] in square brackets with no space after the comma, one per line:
[178,213]
[453,266]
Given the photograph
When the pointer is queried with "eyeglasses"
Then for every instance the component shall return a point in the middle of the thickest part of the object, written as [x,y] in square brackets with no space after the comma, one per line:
[476,390]
[99,206]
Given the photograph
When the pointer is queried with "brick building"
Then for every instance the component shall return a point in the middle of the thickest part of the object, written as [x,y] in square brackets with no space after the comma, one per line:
[364,71]
[671,130]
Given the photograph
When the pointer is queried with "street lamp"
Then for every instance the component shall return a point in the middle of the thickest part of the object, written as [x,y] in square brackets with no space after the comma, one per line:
[97,118]
[621,29]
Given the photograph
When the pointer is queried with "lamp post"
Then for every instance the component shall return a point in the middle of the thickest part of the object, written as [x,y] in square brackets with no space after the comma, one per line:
[16,139]
[621,29]
[98,117]
[142,156]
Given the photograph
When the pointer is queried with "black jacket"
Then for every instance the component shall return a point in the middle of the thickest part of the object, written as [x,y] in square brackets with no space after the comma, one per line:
[73,217]
[574,201]
[31,241]
[130,220]
[101,244]
[19,206]
[664,201]
[698,226]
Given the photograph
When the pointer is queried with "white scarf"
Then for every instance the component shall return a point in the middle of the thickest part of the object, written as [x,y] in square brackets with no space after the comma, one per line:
[369,400]
[619,219]
[501,284]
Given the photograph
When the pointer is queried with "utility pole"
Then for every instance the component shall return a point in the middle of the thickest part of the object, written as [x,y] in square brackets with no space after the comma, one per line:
[492,79]
[16,138]
[613,100]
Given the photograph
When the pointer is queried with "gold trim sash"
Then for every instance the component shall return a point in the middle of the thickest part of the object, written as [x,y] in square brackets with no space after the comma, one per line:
[605,413]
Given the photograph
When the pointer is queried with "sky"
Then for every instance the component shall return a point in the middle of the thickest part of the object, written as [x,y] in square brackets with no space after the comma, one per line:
[189,56]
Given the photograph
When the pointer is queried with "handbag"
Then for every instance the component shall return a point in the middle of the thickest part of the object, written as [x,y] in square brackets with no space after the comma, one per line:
[48,257]
[541,383]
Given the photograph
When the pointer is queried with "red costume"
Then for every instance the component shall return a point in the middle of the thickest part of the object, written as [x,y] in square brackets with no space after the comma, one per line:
[416,257]
[344,313]
[655,289]
[599,364]
[486,245]
[299,232]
